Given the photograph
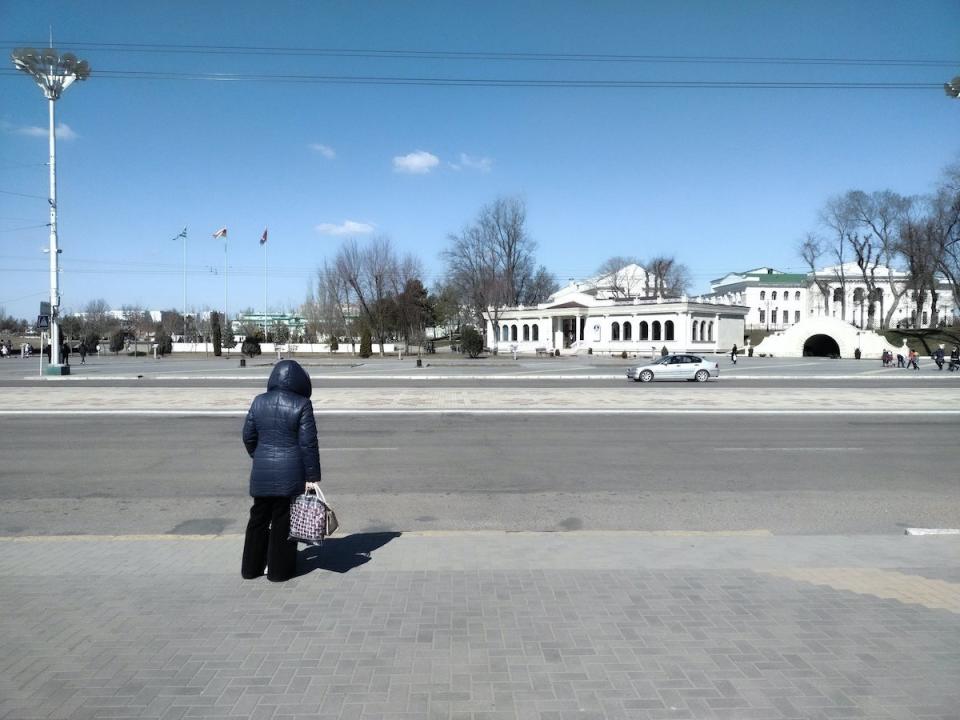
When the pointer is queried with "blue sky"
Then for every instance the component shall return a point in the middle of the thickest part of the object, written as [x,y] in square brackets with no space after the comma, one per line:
[725,179]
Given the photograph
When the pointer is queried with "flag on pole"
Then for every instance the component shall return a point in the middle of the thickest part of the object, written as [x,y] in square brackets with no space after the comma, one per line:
[222,232]
[183,234]
[263,238]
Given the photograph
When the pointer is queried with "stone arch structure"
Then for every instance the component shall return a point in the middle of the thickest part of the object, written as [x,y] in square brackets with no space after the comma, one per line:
[821,346]
[791,342]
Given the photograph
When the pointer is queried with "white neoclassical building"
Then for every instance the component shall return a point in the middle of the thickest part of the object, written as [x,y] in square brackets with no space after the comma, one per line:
[777,300]
[612,314]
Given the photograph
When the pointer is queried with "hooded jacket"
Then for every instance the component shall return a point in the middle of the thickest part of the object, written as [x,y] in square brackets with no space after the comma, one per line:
[280,434]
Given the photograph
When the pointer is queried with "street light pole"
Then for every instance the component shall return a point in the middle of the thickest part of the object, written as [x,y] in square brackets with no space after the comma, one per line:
[54,73]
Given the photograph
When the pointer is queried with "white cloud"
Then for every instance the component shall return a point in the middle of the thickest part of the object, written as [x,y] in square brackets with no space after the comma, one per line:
[64,131]
[416,163]
[481,164]
[328,152]
[347,227]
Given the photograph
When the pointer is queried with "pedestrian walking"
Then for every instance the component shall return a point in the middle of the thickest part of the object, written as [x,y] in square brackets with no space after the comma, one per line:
[733,354]
[912,362]
[954,359]
[900,363]
[83,352]
[280,434]
[48,351]
[65,353]
[938,357]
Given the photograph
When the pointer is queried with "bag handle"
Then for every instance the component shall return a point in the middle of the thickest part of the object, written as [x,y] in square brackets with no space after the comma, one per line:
[315,488]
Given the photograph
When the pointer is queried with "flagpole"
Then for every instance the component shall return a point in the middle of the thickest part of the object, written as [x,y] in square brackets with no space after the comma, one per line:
[225,283]
[264,291]
[184,339]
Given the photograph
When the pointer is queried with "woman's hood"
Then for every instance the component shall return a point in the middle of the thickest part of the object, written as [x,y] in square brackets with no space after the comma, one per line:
[288,375]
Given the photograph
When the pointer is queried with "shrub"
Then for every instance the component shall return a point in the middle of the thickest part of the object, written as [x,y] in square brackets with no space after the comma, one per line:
[366,344]
[664,352]
[91,340]
[556,353]
[334,343]
[164,344]
[251,346]
[471,342]
[117,341]
[750,351]
[589,351]
[623,354]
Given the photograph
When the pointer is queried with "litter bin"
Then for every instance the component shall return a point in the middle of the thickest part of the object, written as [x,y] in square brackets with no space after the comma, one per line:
[243,362]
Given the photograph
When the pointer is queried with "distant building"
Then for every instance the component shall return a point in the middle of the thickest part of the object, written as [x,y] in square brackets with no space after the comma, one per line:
[296,323]
[776,300]
[614,313]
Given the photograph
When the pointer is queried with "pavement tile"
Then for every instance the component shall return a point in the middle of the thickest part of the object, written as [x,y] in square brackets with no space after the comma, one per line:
[640,641]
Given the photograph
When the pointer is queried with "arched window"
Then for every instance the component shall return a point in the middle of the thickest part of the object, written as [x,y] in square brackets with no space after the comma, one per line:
[627,331]
[710,332]
[668,330]
[536,333]
[693,334]
[796,295]
[505,333]
[763,294]
[656,329]
[615,331]
[513,333]
[526,333]
[703,329]
[858,295]
[773,295]
[838,294]
[644,330]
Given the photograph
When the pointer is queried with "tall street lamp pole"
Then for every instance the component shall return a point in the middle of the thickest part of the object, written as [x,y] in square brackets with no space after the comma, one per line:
[54,73]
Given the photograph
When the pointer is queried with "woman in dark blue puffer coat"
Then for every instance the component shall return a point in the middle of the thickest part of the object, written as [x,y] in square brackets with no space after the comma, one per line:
[280,434]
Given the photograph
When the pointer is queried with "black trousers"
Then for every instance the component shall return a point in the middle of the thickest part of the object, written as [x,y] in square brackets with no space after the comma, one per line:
[267,544]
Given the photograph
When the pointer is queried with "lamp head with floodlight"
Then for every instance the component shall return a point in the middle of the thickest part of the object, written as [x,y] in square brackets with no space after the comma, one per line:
[952,88]
[52,71]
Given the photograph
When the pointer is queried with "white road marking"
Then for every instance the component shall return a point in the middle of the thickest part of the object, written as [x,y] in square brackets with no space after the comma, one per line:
[359,449]
[764,449]
[725,374]
[757,533]
[489,411]
[931,531]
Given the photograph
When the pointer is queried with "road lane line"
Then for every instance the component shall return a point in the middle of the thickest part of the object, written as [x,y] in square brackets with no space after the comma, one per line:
[787,449]
[491,411]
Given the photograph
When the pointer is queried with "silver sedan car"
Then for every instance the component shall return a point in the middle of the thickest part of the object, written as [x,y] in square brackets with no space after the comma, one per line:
[675,367]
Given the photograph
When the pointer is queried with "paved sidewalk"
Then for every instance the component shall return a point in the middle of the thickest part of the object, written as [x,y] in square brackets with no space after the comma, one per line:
[484,625]
[626,397]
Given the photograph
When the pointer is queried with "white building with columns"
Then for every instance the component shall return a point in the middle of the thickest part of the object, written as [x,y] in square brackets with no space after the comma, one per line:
[615,314]
[777,300]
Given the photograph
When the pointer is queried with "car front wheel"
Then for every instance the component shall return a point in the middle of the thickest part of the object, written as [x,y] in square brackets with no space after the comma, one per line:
[702,376]
[646,376]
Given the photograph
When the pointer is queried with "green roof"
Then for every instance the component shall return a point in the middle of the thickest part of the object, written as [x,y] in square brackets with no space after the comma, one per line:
[780,279]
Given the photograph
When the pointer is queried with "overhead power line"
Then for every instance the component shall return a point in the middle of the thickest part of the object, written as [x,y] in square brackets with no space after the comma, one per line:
[506,83]
[394,53]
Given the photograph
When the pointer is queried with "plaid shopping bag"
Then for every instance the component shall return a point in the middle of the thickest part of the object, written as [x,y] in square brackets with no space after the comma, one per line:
[311,518]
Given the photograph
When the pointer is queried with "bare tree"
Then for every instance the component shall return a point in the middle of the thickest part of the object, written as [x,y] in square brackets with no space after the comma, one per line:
[491,261]
[836,217]
[881,217]
[666,276]
[619,281]
[811,250]
[542,285]
[369,272]
[944,211]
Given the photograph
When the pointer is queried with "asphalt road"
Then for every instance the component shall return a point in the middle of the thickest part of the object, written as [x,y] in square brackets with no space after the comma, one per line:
[821,474]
